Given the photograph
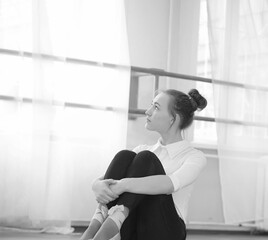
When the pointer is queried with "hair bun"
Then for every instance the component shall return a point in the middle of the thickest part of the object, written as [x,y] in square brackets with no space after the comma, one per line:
[199,102]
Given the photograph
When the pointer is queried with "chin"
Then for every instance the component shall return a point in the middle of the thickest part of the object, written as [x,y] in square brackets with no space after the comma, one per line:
[149,128]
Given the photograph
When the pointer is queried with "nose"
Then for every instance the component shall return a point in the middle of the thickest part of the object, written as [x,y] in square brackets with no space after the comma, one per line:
[148,112]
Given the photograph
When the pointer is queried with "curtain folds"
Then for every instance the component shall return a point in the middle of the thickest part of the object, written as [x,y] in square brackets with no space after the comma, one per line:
[51,151]
[238,32]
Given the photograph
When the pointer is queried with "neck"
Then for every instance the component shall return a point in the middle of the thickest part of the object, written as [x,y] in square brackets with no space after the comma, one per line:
[171,137]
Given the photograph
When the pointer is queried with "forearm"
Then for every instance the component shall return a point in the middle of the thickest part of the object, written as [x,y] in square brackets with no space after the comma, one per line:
[151,185]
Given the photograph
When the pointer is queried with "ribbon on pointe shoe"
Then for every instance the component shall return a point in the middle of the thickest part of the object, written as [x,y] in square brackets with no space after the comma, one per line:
[117,215]
[101,213]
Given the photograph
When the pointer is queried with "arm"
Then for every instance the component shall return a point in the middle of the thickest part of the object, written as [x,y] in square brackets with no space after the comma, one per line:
[151,185]
[188,172]
[163,184]
[102,191]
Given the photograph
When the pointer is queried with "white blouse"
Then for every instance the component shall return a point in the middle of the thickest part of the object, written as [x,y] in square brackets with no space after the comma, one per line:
[183,164]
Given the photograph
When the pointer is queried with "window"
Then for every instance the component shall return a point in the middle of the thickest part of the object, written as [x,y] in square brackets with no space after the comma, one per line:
[205,132]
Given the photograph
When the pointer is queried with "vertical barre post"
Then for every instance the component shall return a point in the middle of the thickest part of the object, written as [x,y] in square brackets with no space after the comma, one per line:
[156,83]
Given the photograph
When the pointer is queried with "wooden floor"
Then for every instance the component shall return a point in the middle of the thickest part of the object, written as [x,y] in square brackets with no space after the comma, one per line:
[76,236]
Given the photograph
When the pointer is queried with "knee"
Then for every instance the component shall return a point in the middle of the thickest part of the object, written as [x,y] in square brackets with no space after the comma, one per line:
[124,156]
[146,154]
[146,163]
[146,158]
[125,153]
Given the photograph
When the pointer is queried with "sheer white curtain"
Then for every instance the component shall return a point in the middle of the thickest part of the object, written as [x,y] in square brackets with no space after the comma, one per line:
[61,121]
[238,32]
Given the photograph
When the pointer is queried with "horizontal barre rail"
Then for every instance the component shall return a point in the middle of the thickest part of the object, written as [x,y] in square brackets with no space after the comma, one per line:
[61,59]
[163,73]
[149,71]
[59,103]
[211,119]
[139,112]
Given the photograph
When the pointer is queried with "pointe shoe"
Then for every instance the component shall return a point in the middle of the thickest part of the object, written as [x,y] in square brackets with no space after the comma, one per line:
[101,213]
[116,237]
[117,215]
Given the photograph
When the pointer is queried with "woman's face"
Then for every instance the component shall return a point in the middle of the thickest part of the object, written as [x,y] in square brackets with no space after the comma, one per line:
[158,116]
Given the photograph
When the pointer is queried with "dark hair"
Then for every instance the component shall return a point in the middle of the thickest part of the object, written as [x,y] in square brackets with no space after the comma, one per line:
[185,105]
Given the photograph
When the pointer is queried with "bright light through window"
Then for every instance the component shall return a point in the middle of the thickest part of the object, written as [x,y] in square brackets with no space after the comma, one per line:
[205,132]
[85,30]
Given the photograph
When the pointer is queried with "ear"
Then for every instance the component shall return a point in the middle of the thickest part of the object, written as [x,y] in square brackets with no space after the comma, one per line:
[177,119]
[172,119]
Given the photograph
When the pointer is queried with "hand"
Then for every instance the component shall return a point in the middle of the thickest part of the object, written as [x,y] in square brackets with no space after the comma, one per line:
[117,187]
[102,191]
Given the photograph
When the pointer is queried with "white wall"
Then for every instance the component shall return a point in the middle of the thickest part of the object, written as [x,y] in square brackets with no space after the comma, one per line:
[147,23]
[206,203]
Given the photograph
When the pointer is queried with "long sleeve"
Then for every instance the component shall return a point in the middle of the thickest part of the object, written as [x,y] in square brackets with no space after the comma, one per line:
[189,171]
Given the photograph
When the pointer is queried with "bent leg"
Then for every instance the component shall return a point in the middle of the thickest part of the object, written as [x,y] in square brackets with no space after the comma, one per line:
[116,170]
[156,215]
[144,164]
[150,216]
[119,168]
[119,165]
[157,219]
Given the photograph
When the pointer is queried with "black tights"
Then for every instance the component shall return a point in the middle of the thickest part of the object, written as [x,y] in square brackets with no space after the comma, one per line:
[151,217]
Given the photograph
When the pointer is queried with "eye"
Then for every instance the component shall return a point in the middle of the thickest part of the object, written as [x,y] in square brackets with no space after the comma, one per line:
[156,107]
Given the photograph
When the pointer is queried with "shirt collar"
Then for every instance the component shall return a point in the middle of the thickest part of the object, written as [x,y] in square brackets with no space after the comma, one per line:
[156,146]
[173,148]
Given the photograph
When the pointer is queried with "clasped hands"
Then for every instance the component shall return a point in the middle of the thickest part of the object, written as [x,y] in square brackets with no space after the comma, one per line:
[107,190]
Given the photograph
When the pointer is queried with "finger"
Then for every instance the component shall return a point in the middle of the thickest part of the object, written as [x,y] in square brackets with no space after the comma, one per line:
[107,199]
[114,196]
[108,192]
[106,196]
[102,200]
[110,198]
[111,194]
[110,181]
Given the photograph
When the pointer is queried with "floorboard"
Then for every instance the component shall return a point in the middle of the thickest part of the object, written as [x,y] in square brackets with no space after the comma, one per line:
[76,236]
